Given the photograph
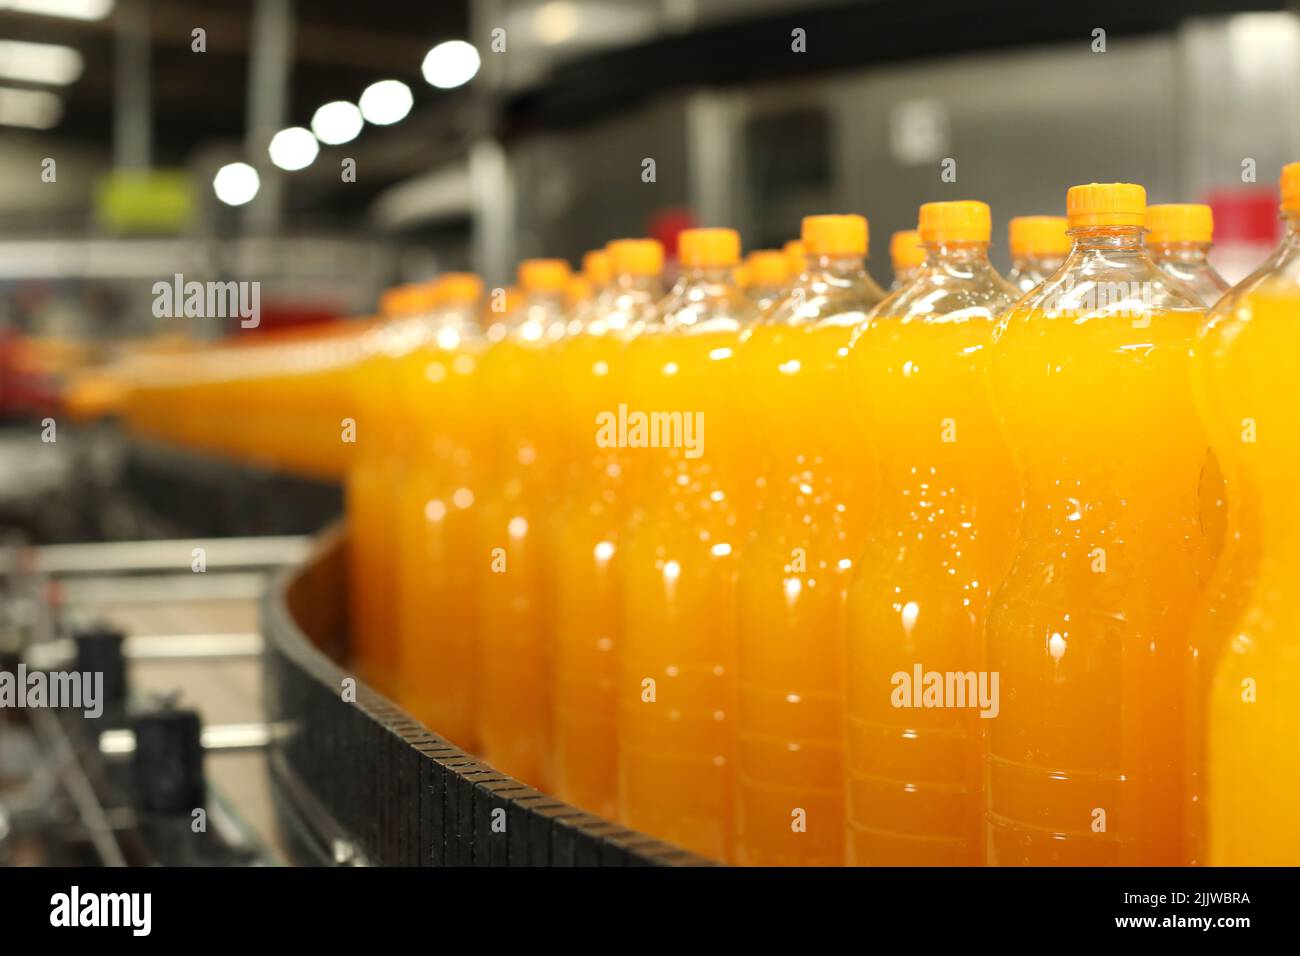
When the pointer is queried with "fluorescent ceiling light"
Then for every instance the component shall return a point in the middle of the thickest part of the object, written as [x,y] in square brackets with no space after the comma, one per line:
[337,122]
[33,109]
[39,62]
[293,148]
[68,9]
[236,183]
[386,102]
[450,64]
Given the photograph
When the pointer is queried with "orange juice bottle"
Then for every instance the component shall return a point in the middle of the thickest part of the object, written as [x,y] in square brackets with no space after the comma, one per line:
[795,569]
[514,672]
[378,467]
[1039,245]
[1246,691]
[906,253]
[588,529]
[1089,629]
[1178,238]
[938,542]
[437,526]
[676,692]
[767,278]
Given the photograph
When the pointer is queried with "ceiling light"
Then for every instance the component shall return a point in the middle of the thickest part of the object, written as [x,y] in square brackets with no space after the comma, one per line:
[293,148]
[450,64]
[69,9]
[39,62]
[337,122]
[34,109]
[236,183]
[386,102]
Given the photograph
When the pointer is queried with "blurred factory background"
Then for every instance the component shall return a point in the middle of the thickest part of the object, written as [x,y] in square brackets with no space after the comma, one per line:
[483,131]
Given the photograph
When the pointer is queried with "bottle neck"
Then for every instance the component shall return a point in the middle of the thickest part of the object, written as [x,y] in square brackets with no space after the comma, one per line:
[707,275]
[836,266]
[1186,253]
[964,259]
[1117,239]
[627,282]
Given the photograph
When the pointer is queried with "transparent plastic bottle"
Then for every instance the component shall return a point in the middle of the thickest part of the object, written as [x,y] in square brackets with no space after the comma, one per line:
[676,694]
[939,541]
[438,523]
[588,532]
[1089,630]
[1039,244]
[906,253]
[795,569]
[516,587]
[1179,237]
[1246,683]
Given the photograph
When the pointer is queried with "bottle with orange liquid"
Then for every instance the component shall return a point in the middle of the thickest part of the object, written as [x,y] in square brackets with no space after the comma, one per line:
[938,542]
[378,467]
[587,532]
[1089,629]
[795,569]
[1246,686]
[515,667]
[1178,239]
[437,525]
[1179,236]
[1039,245]
[676,692]
[906,253]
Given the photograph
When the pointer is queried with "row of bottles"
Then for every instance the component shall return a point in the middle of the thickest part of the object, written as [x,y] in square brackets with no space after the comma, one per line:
[788,569]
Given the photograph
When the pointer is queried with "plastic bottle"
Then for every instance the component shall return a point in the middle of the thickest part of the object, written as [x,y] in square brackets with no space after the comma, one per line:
[795,569]
[676,693]
[438,525]
[382,438]
[1179,236]
[1039,245]
[938,543]
[1089,630]
[1246,685]
[516,587]
[588,531]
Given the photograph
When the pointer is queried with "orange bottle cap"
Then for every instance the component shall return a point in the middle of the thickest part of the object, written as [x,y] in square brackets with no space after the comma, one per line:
[1291,187]
[796,255]
[596,267]
[835,235]
[709,248]
[965,220]
[767,267]
[461,288]
[1038,236]
[544,275]
[905,249]
[1179,222]
[1106,204]
[636,257]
